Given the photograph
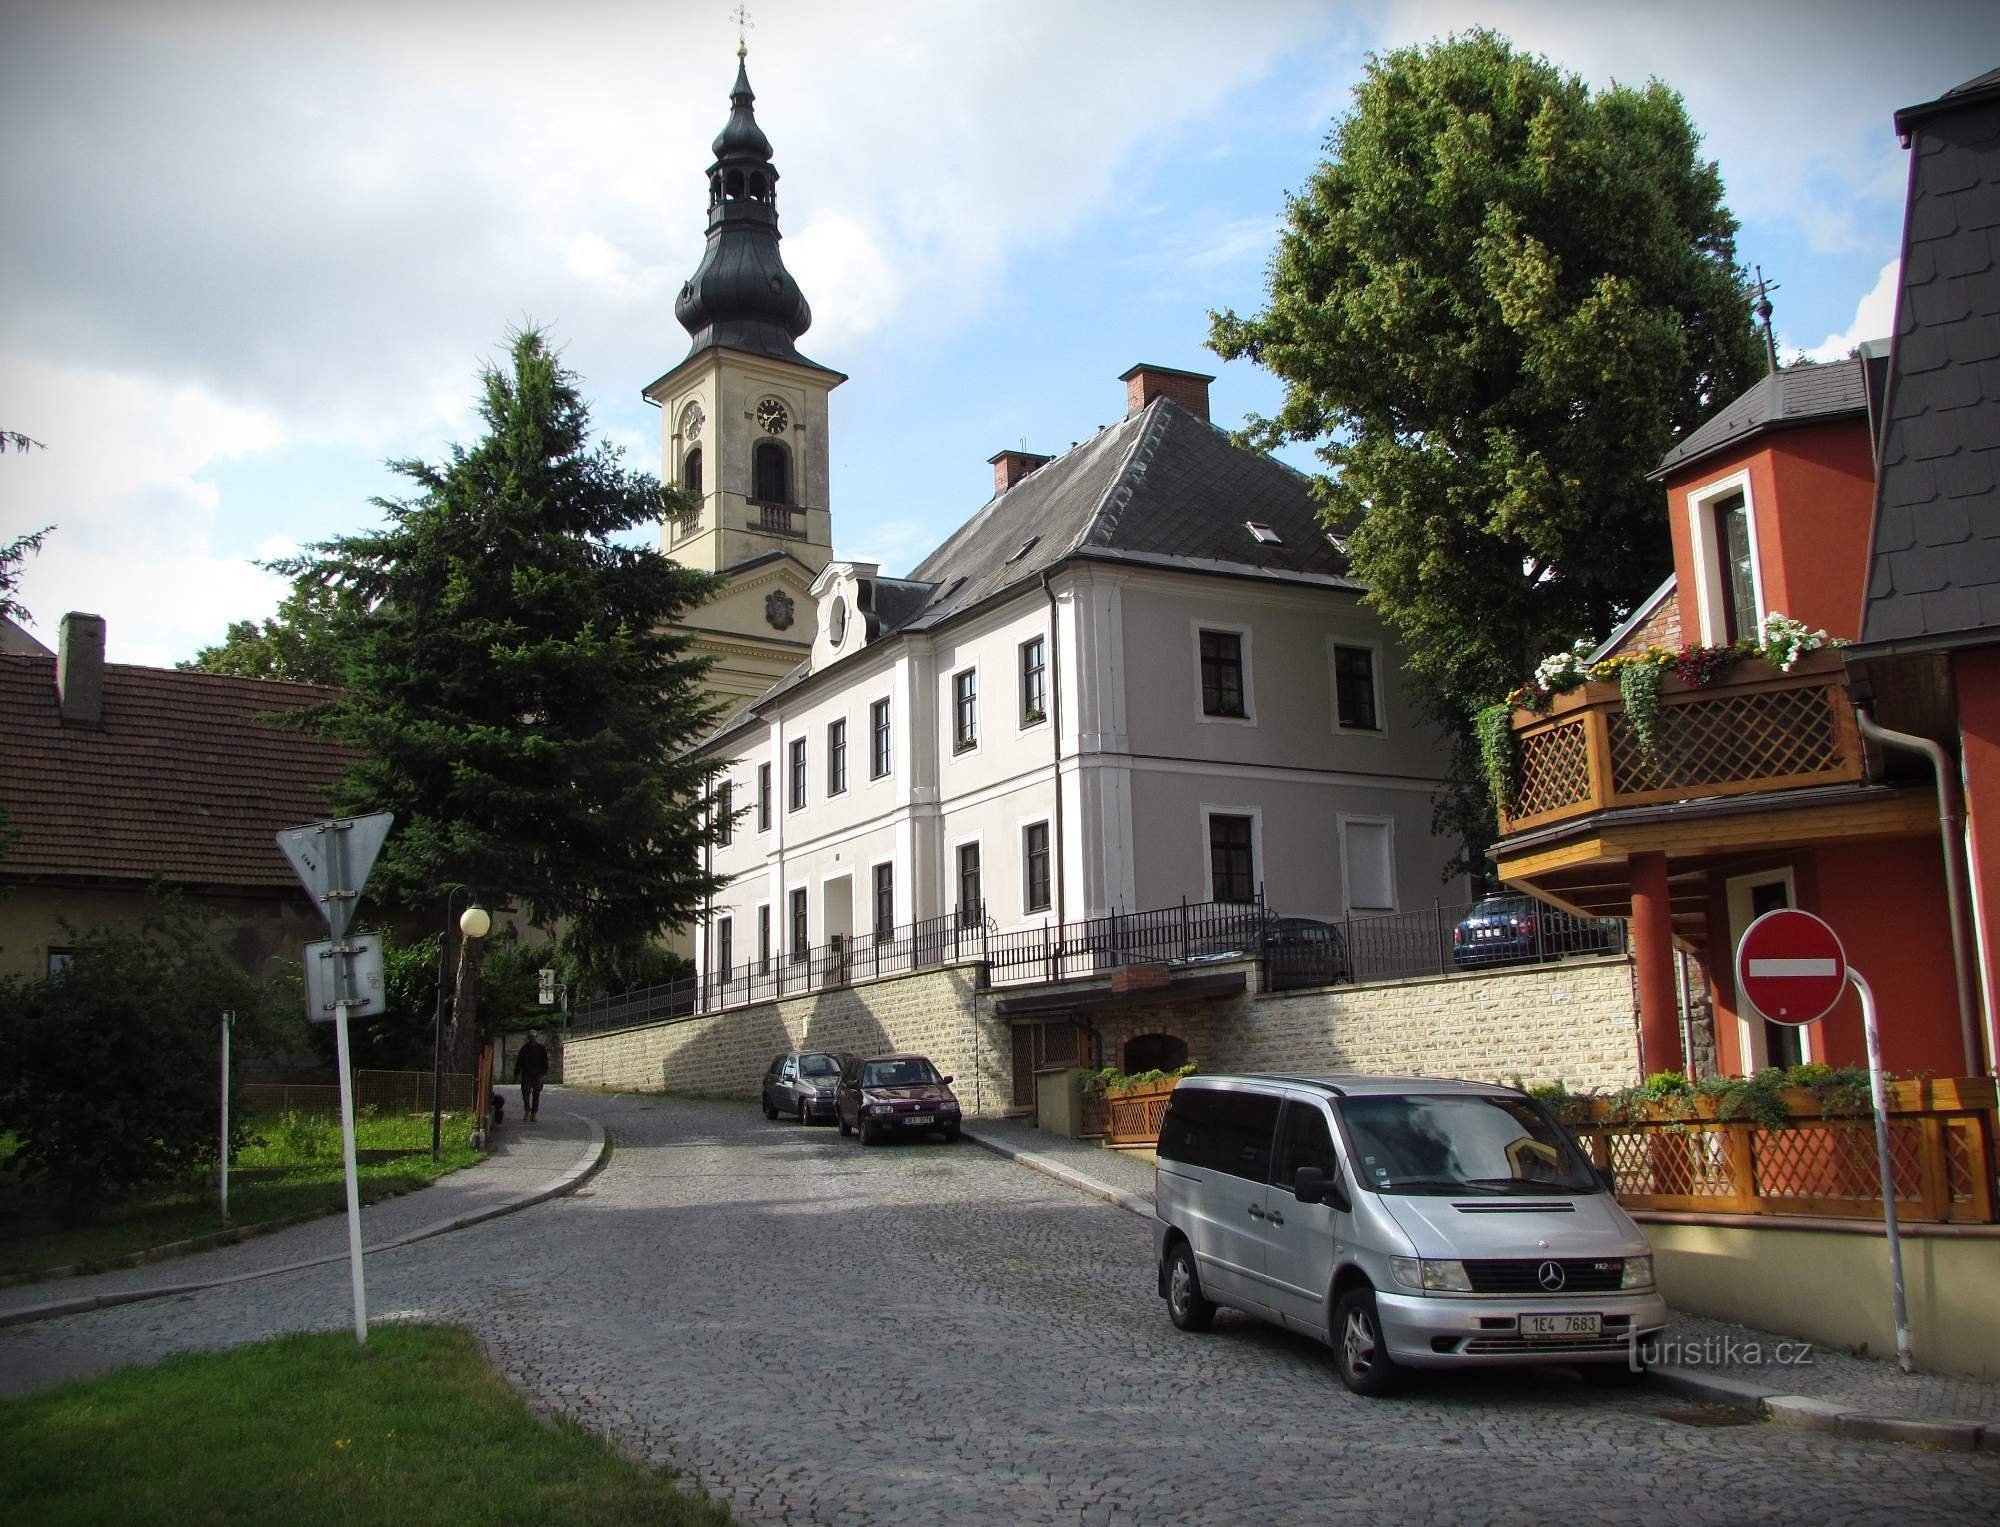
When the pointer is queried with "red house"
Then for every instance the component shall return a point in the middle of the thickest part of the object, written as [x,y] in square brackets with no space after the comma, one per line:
[1863,783]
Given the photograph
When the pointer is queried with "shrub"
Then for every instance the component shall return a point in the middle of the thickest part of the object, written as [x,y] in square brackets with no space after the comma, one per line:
[112,1064]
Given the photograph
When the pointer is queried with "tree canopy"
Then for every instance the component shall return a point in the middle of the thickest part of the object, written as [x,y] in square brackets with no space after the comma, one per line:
[510,682]
[1498,301]
[302,642]
[12,555]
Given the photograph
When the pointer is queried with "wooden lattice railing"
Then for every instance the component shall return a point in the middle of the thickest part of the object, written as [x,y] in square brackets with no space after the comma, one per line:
[1136,1115]
[1940,1149]
[1753,729]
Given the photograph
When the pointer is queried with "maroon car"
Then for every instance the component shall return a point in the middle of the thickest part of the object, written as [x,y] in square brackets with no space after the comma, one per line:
[883,1095]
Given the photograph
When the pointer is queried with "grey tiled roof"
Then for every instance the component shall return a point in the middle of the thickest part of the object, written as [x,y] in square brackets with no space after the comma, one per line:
[1802,395]
[1934,566]
[1159,488]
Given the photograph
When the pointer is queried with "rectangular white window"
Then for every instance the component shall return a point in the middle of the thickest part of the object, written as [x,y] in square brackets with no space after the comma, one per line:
[800,944]
[971,904]
[763,797]
[1222,674]
[1034,681]
[725,948]
[1035,866]
[1232,861]
[964,710]
[764,940]
[1354,697]
[878,740]
[1369,862]
[885,903]
[836,757]
[725,814]
[798,781]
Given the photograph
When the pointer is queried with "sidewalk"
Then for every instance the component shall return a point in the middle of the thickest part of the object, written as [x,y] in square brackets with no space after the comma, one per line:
[1782,1378]
[528,1163]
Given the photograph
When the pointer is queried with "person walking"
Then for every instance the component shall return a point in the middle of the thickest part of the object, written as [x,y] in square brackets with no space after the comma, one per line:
[530,1066]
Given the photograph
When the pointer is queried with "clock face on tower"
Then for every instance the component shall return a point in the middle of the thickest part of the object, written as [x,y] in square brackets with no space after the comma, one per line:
[772,417]
[691,422]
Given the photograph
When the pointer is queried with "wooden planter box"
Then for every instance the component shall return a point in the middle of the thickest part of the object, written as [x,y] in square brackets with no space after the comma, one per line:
[1136,1114]
[1815,1163]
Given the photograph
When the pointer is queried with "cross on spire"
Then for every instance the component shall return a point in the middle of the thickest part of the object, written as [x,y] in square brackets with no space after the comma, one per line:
[741,16]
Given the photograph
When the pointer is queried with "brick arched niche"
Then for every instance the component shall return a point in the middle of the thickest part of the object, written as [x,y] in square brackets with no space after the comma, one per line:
[1153,1052]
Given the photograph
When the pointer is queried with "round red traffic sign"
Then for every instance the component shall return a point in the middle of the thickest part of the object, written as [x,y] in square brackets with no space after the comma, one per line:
[1790,967]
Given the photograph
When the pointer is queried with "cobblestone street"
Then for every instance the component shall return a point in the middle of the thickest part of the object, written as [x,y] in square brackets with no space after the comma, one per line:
[820,1332]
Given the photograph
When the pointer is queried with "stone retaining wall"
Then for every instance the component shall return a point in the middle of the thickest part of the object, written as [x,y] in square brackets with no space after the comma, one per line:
[1571,1021]
[933,1012]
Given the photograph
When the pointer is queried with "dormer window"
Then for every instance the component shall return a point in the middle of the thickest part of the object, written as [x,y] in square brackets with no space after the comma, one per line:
[1739,579]
[1263,533]
[1025,547]
[771,473]
[1722,521]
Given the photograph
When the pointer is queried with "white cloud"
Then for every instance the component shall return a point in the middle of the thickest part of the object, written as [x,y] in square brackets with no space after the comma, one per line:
[135,538]
[1874,318]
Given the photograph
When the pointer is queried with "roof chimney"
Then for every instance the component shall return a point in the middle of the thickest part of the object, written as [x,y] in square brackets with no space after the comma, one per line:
[1144,382]
[80,670]
[1009,467]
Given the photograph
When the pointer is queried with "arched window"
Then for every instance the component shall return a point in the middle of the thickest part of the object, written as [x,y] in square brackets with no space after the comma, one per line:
[771,473]
[1155,1052]
[691,471]
[759,190]
[714,189]
[734,182]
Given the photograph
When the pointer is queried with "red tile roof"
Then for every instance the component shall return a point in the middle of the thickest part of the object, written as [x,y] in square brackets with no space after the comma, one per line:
[185,781]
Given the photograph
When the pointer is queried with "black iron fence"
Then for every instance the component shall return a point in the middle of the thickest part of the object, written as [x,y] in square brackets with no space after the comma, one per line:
[1067,951]
[1439,940]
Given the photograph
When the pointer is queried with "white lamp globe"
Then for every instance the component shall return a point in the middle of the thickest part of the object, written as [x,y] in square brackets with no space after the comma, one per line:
[475,922]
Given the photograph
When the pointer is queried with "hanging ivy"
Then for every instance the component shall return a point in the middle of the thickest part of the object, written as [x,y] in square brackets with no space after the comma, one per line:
[1639,684]
[1495,726]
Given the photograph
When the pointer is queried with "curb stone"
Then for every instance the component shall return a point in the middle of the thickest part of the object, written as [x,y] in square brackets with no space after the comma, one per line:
[1131,1203]
[596,1150]
[1804,1411]
[1811,1413]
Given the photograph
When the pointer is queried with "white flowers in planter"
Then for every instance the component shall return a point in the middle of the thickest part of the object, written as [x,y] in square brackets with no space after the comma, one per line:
[1785,640]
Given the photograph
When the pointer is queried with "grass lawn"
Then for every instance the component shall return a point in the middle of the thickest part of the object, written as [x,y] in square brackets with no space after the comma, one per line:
[411,1430]
[295,1171]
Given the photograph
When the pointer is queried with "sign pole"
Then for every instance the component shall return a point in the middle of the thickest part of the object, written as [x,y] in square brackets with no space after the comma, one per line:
[227,1019]
[336,886]
[1878,1093]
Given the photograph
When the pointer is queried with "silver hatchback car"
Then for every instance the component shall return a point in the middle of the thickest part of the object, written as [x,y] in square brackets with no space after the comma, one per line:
[1409,1223]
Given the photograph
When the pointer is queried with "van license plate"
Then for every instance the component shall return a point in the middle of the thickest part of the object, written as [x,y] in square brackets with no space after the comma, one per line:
[931,1118]
[1562,1325]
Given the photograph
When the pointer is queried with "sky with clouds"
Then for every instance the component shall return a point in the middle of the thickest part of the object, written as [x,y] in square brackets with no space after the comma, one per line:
[253,251]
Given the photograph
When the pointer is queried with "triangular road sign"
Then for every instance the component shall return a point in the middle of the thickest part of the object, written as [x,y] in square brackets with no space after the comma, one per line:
[332,860]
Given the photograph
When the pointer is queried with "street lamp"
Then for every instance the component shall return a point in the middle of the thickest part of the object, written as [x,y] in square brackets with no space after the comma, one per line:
[474,922]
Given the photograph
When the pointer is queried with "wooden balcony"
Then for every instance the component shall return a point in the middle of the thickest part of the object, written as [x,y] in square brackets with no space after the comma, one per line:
[1753,729]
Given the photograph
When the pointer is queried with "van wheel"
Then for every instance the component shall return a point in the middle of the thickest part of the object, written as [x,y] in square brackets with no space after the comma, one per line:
[1185,1304]
[1359,1350]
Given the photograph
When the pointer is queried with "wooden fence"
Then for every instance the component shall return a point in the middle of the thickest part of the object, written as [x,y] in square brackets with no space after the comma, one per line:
[390,1091]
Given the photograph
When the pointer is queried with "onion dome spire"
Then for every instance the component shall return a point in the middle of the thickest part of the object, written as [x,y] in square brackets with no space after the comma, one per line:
[741,297]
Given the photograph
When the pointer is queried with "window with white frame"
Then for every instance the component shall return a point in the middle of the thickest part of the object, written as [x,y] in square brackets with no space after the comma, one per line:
[763,797]
[964,710]
[1356,697]
[1222,687]
[725,813]
[971,904]
[1729,585]
[1232,858]
[801,941]
[725,947]
[1035,867]
[1034,681]
[885,902]
[1368,863]
[878,740]
[798,779]
[764,939]
[836,757]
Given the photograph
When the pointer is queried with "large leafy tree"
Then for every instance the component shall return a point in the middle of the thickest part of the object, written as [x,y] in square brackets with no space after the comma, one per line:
[1495,305]
[303,641]
[12,556]
[512,687]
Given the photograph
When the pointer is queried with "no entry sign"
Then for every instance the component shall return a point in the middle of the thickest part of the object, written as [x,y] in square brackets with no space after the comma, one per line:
[1790,967]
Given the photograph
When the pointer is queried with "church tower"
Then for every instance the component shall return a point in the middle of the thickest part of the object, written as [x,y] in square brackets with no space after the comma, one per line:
[743,418]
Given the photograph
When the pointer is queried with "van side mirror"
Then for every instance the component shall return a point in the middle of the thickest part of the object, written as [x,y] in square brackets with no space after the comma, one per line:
[1311,1185]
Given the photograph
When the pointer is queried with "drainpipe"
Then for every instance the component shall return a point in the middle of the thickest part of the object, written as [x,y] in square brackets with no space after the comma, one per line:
[1951,827]
[1055,735]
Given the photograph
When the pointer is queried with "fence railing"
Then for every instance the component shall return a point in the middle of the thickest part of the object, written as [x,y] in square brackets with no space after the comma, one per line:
[1068,951]
[1444,938]
[396,1090]
[1940,1144]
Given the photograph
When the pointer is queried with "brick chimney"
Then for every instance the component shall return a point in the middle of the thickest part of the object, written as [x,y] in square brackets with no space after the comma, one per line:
[1143,383]
[80,670]
[1009,467]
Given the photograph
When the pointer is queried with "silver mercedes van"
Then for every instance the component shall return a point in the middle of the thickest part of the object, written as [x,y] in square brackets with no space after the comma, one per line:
[1408,1223]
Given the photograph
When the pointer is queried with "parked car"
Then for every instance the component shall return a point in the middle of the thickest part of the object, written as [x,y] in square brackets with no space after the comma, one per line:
[1297,951]
[883,1095]
[801,1083]
[1507,930]
[1407,1223]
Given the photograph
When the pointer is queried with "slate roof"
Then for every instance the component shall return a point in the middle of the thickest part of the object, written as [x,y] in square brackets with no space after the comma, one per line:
[1934,565]
[1160,488]
[1802,395]
[184,781]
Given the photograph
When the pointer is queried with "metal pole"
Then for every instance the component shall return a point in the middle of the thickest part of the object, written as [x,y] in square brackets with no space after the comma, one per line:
[227,1019]
[336,881]
[1878,1093]
[437,1031]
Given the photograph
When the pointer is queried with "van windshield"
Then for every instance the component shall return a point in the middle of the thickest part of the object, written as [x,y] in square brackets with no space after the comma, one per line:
[1461,1143]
